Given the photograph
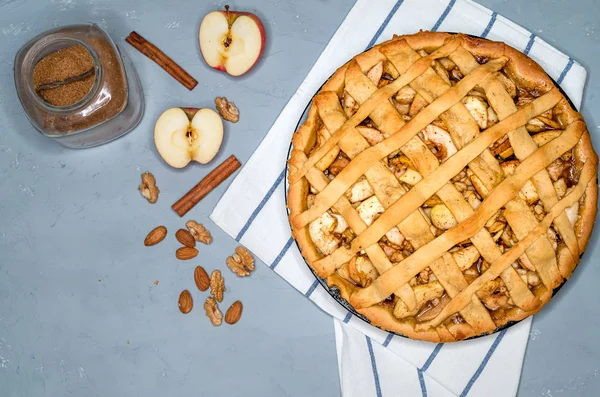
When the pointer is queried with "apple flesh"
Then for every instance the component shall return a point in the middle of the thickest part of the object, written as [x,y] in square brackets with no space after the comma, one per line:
[185,134]
[231,41]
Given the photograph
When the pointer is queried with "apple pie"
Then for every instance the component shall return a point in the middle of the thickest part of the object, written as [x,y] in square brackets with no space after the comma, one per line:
[443,184]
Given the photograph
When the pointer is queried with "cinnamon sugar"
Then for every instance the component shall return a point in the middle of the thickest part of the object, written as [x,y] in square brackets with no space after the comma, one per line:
[64,77]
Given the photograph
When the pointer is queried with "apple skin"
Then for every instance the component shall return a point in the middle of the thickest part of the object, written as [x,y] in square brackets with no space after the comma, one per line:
[231,16]
[261,28]
[190,112]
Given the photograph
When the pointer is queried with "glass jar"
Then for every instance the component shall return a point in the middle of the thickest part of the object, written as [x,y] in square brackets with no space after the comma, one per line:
[112,107]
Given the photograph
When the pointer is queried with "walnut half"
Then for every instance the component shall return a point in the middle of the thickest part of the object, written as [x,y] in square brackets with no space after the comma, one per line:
[217,285]
[213,312]
[241,263]
[227,109]
[199,232]
[148,187]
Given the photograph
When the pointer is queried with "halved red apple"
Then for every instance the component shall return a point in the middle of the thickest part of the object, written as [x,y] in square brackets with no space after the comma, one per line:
[185,134]
[231,41]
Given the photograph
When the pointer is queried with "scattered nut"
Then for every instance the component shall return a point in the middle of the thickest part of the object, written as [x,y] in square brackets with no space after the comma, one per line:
[234,313]
[157,235]
[185,302]
[227,109]
[185,253]
[199,232]
[213,312]
[217,285]
[241,263]
[148,187]
[185,238]
[201,278]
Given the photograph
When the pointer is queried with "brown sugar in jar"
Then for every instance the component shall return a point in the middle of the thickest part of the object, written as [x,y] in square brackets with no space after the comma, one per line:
[65,76]
[76,88]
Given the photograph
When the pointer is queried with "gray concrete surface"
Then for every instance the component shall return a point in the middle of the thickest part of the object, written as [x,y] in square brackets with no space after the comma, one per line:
[79,311]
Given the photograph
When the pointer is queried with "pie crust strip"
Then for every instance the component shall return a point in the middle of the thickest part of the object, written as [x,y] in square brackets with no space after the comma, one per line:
[419,260]
[453,280]
[365,159]
[461,300]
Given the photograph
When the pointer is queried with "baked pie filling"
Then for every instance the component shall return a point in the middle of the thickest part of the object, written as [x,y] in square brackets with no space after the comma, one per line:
[443,184]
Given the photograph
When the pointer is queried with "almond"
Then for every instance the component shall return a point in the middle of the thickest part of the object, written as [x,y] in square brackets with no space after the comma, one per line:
[185,238]
[201,278]
[234,313]
[157,235]
[185,253]
[185,302]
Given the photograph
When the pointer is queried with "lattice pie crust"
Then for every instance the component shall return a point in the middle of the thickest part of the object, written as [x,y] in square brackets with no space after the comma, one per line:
[443,184]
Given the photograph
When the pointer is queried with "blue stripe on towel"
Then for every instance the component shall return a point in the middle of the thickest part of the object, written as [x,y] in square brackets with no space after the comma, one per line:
[387,340]
[420,371]
[490,24]
[385,23]
[422,383]
[483,363]
[374,367]
[312,289]
[565,71]
[432,356]
[529,44]
[260,206]
[347,318]
[443,16]
[284,250]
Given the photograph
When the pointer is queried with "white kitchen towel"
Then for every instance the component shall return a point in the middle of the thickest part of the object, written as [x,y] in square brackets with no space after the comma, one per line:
[373,362]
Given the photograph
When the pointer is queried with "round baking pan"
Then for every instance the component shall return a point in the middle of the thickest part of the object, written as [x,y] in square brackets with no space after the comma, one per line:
[334,291]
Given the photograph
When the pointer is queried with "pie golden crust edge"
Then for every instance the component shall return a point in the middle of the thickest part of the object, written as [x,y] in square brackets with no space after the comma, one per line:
[443,184]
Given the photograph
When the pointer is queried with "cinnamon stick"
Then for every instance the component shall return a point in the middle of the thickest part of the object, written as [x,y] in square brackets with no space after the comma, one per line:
[162,60]
[206,185]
